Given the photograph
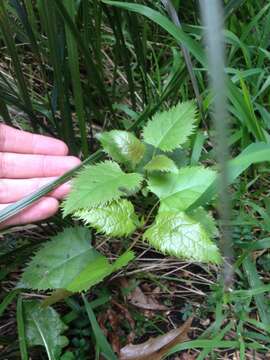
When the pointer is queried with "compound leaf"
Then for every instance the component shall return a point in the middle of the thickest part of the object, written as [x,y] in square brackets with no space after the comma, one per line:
[97,270]
[57,262]
[161,163]
[175,233]
[179,190]
[44,327]
[170,129]
[122,146]
[99,184]
[116,219]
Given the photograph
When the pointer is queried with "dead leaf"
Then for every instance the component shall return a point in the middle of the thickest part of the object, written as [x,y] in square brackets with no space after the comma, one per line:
[139,299]
[156,348]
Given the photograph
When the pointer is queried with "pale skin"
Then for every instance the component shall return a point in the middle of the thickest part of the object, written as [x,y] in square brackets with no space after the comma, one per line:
[28,161]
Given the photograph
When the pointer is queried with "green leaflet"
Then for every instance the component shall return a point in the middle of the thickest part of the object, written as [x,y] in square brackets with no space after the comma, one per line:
[206,220]
[161,163]
[167,130]
[44,327]
[178,191]
[69,262]
[116,219]
[56,263]
[99,184]
[122,146]
[97,271]
[175,233]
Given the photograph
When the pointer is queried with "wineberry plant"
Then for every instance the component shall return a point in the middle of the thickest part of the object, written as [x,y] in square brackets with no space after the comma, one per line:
[104,197]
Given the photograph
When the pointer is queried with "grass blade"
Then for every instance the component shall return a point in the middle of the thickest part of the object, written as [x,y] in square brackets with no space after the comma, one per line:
[255,282]
[174,17]
[8,300]
[9,41]
[172,29]
[73,61]
[21,331]
[56,44]
[101,340]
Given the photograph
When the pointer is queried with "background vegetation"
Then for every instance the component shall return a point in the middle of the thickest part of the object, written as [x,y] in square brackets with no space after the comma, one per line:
[73,68]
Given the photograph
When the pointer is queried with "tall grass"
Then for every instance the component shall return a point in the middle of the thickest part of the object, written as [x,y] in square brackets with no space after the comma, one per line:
[70,68]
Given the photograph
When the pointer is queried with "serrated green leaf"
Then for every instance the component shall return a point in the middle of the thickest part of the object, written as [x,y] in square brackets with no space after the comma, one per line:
[116,219]
[175,233]
[206,220]
[59,260]
[170,129]
[122,146]
[99,184]
[179,190]
[161,163]
[44,327]
[97,270]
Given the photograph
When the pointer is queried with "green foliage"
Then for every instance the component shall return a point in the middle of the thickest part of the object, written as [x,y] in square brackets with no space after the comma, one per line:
[97,271]
[98,184]
[116,219]
[207,221]
[97,189]
[161,163]
[176,233]
[69,262]
[44,327]
[122,146]
[170,129]
[179,190]
[56,263]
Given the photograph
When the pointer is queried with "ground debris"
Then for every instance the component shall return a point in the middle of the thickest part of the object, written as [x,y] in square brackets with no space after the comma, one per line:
[156,348]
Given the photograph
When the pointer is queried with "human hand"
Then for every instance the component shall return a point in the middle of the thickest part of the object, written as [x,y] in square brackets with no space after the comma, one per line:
[28,161]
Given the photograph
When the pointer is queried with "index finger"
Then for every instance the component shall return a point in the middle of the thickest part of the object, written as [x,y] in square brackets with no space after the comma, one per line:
[22,142]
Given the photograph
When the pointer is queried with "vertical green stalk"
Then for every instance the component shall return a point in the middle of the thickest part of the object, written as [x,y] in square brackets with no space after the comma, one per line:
[139,43]
[174,17]
[21,331]
[31,16]
[10,43]
[73,60]
[57,57]
[212,15]
[91,67]
[101,340]
[114,17]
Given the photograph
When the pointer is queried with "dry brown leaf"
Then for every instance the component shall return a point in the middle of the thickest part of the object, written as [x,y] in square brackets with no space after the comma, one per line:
[156,348]
[139,299]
